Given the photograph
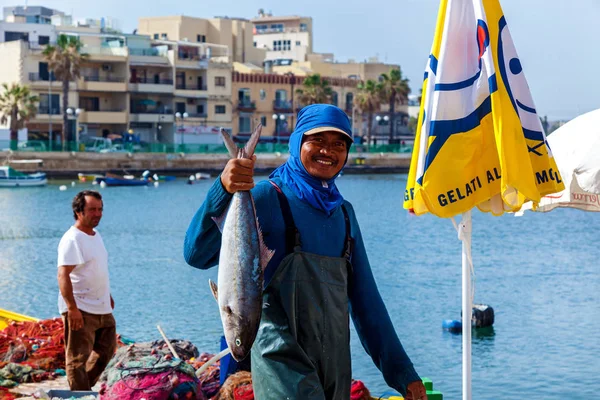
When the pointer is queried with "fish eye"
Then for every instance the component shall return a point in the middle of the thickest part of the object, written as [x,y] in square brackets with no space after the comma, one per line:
[238,342]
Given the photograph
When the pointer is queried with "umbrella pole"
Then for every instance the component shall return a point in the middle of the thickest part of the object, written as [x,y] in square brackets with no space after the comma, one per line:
[467,307]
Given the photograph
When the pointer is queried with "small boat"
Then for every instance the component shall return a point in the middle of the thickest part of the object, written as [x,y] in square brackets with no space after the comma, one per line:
[116,180]
[10,177]
[88,177]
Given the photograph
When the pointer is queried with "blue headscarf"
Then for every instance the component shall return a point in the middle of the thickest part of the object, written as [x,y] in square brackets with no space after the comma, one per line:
[322,195]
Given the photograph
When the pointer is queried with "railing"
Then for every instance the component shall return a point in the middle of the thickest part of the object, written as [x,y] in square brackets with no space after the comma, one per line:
[111,109]
[190,87]
[49,111]
[115,79]
[197,115]
[282,105]
[246,105]
[162,112]
[152,81]
[208,148]
[280,30]
[36,77]
[148,52]
[106,51]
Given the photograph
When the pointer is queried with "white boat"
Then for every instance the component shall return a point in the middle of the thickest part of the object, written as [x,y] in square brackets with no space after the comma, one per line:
[10,177]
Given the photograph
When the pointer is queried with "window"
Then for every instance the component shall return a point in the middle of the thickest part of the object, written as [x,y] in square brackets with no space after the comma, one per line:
[200,109]
[261,28]
[334,99]
[180,107]
[156,36]
[262,94]
[220,109]
[244,96]
[349,101]
[89,103]
[244,124]
[220,81]
[43,39]
[12,36]
[303,28]
[163,35]
[276,27]
[287,45]
[201,38]
[298,43]
[263,121]
[254,44]
[51,106]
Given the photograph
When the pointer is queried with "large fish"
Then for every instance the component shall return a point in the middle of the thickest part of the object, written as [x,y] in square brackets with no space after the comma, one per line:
[242,260]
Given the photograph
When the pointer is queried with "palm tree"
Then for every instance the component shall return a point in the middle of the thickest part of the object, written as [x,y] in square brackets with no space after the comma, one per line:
[65,60]
[395,89]
[19,105]
[367,101]
[316,91]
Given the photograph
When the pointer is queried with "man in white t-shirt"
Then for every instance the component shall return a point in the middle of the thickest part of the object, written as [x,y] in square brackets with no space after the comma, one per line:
[85,301]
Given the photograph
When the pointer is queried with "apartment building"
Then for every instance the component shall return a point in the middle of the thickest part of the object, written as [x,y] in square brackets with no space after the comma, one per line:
[271,100]
[286,38]
[234,34]
[165,91]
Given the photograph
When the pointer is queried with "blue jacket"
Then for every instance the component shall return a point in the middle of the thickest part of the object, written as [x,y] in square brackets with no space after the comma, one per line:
[320,235]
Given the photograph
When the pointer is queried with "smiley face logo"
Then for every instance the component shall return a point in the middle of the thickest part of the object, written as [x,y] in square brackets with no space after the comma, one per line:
[511,73]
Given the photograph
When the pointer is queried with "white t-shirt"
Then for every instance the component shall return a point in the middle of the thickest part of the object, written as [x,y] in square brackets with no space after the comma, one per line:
[91,287]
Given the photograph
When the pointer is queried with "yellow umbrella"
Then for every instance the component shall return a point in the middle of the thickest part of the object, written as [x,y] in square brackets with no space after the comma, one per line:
[479,142]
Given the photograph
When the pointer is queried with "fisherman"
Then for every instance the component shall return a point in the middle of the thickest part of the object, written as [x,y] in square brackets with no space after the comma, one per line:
[319,274]
[85,301]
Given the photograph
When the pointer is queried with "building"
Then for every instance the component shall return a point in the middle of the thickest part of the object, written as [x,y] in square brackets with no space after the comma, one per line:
[235,34]
[162,91]
[286,38]
[270,100]
[30,14]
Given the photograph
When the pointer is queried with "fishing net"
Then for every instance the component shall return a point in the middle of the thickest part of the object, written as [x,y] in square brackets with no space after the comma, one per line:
[237,387]
[149,371]
[12,374]
[210,379]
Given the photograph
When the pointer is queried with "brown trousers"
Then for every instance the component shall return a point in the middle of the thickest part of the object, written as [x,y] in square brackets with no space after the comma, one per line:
[89,349]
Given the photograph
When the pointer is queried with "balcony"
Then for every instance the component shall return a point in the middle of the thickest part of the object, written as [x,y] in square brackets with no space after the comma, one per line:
[110,116]
[106,83]
[197,115]
[152,116]
[42,81]
[282,106]
[190,91]
[105,53]
[152,56]
[151,85]
[246,106]
[191,60]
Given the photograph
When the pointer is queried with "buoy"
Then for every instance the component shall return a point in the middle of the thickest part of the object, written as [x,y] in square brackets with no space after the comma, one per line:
[482,317]
[94,182]
[155,177]
[146,173]
[155,184]
[102,184]
[72,184]
[62,188]
[192,178]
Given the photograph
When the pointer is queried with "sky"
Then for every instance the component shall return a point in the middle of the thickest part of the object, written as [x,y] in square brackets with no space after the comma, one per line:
[557,40]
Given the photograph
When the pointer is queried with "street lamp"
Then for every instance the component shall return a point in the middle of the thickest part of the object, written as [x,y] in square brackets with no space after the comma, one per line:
[277,118]
[75,112]
[181,116]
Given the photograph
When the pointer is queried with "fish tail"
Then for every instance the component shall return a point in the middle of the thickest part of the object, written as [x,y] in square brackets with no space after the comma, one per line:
[230,144]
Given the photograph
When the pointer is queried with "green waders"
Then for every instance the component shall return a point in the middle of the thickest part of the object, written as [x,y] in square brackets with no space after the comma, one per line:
[302,350]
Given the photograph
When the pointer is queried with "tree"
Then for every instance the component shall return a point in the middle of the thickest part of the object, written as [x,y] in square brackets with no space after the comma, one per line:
[316,90]
[394,90]
[65,60]
[367,101]
[18,105]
